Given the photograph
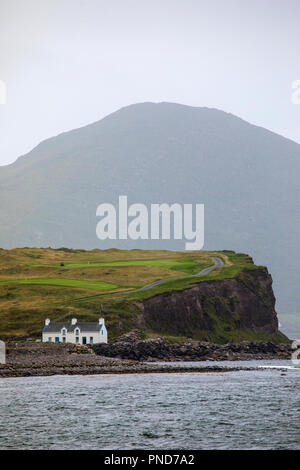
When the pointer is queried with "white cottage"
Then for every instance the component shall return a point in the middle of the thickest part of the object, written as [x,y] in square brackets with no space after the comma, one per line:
[75,332]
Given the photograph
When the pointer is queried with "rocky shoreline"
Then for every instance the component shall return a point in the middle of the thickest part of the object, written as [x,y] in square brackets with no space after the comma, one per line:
[44,359]
[130,355]
[132,346]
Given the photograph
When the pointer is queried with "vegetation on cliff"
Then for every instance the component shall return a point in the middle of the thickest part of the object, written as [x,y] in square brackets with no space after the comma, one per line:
[60,283]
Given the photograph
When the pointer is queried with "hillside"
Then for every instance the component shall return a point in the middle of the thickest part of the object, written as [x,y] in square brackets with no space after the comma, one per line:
[246,176]
[232,302]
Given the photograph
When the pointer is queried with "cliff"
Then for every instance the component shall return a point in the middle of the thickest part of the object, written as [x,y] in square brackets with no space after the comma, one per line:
[222,311]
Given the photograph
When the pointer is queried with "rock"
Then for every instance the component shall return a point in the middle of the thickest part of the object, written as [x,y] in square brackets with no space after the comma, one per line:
[245,302]
[130,346]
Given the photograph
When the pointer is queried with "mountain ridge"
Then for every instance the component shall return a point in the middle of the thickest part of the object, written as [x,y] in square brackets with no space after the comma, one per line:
[162,152]
[146,103]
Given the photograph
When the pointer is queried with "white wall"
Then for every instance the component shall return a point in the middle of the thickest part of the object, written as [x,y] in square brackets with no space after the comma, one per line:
[98,337]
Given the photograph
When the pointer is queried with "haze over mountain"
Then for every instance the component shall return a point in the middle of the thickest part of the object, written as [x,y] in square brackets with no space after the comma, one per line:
[247,177]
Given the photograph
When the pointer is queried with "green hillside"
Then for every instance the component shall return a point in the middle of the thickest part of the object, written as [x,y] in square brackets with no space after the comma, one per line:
[60,283]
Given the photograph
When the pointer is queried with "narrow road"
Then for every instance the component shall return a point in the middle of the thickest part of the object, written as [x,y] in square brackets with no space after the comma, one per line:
[218,263]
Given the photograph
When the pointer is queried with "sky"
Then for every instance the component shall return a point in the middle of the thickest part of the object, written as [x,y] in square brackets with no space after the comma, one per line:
[68,63]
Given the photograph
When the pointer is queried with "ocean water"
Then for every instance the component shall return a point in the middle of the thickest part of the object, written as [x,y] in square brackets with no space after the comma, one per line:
[256,409]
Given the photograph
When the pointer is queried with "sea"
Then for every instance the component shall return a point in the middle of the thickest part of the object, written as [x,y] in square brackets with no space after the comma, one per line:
[246,409]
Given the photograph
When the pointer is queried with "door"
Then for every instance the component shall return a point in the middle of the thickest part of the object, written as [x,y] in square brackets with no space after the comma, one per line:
[84,340]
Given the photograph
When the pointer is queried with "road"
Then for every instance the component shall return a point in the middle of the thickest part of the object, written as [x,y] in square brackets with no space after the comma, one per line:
[218,263]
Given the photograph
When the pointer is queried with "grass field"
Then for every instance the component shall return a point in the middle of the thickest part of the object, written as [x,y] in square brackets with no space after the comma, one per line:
[188,266]
[77,283]
[34,285]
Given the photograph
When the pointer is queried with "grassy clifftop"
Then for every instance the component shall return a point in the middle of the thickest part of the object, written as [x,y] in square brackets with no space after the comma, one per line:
[61,283]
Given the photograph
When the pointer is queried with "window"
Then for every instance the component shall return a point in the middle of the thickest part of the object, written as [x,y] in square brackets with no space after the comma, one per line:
[77,339]
[77,331]
[64,339]
[91,340]
[50,340]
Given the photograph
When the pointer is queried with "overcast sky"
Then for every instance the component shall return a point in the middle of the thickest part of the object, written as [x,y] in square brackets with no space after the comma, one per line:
[67,63]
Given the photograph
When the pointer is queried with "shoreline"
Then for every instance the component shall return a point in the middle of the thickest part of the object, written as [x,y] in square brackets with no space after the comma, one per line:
[44,359]
[103,371]
[8,373]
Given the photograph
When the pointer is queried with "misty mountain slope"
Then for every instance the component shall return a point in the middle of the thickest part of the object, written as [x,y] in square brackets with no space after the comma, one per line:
[247,177]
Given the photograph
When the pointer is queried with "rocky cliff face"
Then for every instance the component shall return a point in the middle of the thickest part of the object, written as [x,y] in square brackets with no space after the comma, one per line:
[217,311]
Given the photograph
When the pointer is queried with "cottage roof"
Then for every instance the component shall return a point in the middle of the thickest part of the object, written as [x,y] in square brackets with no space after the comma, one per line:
[84,327]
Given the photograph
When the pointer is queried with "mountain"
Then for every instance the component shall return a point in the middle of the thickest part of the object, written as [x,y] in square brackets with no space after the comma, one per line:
[247,177]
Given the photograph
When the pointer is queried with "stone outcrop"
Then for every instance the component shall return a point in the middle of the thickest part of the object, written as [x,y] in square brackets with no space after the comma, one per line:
[132,346]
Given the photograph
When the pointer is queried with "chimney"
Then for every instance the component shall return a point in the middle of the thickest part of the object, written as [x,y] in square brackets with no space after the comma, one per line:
[47,321]
[74,321]
[101,321]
